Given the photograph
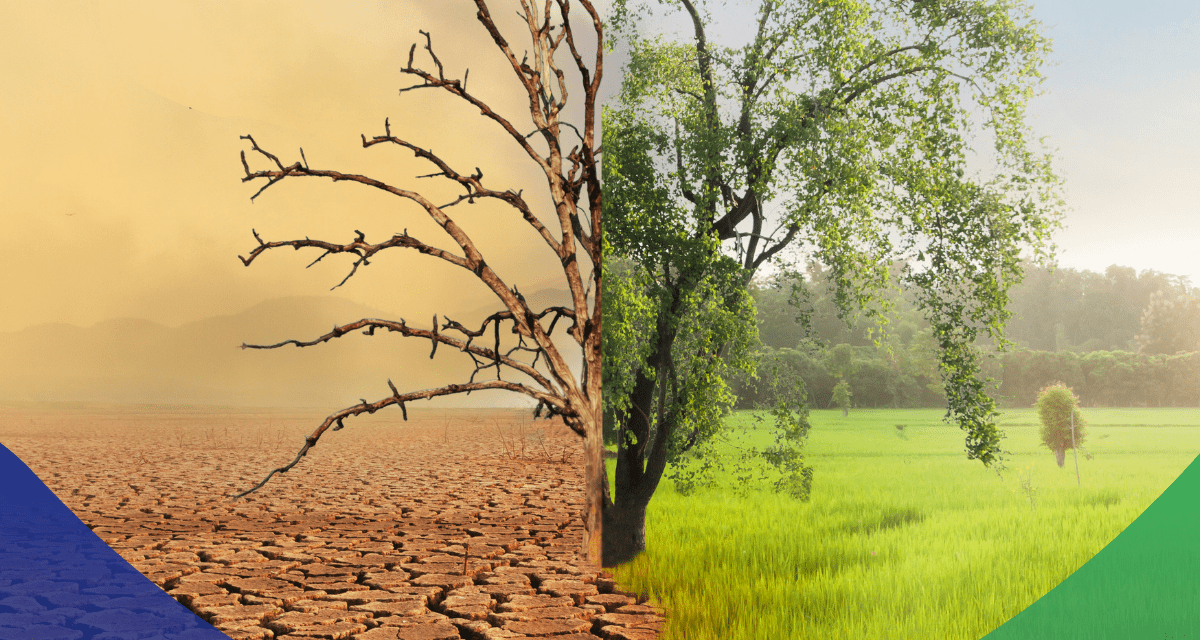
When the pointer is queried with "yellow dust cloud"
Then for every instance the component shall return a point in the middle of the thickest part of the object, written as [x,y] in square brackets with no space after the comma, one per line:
[120,125]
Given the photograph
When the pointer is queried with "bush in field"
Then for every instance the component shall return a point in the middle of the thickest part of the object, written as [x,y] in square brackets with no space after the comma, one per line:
[842,396]
[1056,404]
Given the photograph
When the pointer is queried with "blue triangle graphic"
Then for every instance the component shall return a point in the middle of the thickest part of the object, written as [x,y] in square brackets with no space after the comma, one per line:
[60,581]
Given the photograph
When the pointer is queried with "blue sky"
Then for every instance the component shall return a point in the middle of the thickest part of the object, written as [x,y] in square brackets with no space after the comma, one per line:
[1122,107]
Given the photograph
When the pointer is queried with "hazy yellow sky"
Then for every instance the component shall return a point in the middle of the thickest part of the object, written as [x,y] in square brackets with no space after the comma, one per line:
[120,125]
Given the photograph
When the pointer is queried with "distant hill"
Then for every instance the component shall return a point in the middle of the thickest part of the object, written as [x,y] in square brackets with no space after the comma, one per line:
[128,360]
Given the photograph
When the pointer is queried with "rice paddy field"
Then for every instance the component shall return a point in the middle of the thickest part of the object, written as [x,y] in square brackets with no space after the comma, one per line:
[903,536]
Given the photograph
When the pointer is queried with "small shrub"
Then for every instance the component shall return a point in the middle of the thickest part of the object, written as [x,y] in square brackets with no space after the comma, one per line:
[1056,406]
[842,396]
[1027,485]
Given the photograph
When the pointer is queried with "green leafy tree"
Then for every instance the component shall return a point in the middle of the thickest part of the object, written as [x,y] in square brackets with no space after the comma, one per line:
[1183,375]
[1170,325]
[1062,422]
[841,360]
[845,126]
[1095,310]
[841,396]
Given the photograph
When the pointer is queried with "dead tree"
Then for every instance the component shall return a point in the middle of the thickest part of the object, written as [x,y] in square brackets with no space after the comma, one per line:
[547,374]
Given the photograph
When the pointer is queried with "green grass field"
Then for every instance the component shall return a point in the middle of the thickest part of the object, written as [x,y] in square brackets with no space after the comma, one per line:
[903,537]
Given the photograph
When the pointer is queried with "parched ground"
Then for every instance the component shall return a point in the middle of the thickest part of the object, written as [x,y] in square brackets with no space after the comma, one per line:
[454,524]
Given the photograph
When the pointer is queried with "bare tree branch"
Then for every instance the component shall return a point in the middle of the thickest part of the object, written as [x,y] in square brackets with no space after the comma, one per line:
[472,183]
[493,355]
[397,399]
[456,87]
[360,247]
[535,354]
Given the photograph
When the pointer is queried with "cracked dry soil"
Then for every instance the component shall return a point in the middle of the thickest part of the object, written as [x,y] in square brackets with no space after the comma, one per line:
[454,524]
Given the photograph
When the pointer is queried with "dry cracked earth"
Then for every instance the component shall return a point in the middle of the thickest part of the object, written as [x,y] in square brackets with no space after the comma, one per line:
[454,524]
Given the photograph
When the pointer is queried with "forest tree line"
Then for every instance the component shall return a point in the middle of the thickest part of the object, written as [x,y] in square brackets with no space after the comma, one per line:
[1119,338]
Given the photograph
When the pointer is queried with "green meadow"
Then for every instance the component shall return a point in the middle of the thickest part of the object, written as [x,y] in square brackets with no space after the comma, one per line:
[903,536]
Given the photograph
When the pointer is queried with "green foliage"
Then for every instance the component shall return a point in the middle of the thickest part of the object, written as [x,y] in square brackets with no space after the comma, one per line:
[707,319]
[1063,427]
[629,314]
[610,427]
[649,249]
[790,412]
[906,379]
[665,282]
[662,281]
[842,395]
[903,370]
[1052,310]
[1097,311]
[841,360]
[1170,325]
[855,119]
[1104,378]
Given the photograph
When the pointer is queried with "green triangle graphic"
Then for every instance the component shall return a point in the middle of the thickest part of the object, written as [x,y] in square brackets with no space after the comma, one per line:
[1144,585]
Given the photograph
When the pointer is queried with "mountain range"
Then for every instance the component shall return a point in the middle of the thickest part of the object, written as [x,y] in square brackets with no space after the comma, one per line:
[135,361]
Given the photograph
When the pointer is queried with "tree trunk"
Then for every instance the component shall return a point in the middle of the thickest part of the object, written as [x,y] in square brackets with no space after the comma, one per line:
[637,476]
[593,510]
[640,466]
[624,519]
[640,461]
[624,531]
[1060,456]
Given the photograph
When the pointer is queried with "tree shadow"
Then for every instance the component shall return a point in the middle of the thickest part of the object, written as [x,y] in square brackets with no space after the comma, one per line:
[887,519]
[1108,498]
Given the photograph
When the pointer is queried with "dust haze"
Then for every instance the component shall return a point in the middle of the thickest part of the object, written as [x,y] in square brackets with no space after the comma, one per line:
[125,211]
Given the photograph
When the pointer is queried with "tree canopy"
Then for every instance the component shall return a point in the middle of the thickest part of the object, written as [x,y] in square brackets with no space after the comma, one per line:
[1170,325]
[1077,326]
